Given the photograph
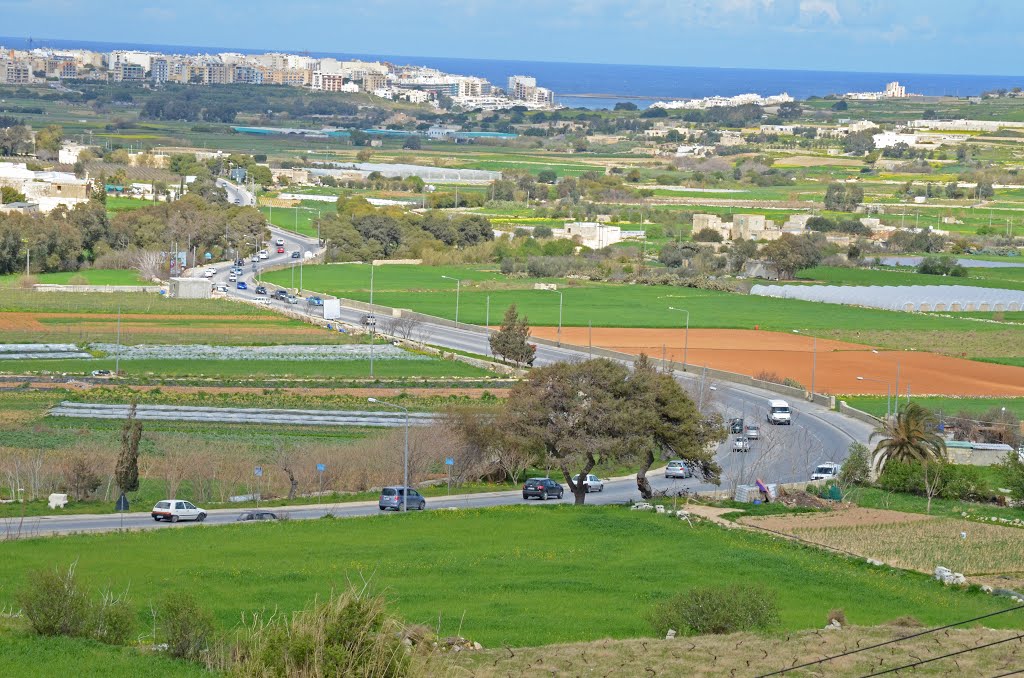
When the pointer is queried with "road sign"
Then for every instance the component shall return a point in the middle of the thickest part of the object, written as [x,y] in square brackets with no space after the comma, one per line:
[449,461]
[321,468]
[208,256]
[259,472]
[122,503]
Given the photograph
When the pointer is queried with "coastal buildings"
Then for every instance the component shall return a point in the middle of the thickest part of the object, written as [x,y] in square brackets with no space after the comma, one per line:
[893,90]
[738,100]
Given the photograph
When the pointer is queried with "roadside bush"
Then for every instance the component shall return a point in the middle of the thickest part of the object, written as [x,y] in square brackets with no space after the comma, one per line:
[185,627]
[55,605]
[1013,475]
[716,610]
[856,469]
[956,481]
[348,634]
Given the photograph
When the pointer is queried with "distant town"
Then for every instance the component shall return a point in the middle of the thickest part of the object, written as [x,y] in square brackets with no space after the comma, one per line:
[415,84]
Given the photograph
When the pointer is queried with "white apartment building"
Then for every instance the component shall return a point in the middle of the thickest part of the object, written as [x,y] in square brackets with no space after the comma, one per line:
[160,70]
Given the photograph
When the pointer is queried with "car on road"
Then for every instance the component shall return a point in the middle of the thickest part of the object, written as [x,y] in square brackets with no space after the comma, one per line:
[736,425]
[248,516]
[740,444]
[264,254]
[262,301]
[241,285]
[315,301]
[591,484]
[210,272]
[296,254]
[391,498]
[232,278]
[678,469]
[280,250]
[101,373]
[279,242]
[254,258]
[221,287]
[292,299]
[779,412]
[753,432]
[281,294]
[826,471]
[174,510]
[239,262]
[542,488]
[260,289]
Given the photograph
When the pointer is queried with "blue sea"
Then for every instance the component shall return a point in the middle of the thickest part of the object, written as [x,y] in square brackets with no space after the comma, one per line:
[623,82]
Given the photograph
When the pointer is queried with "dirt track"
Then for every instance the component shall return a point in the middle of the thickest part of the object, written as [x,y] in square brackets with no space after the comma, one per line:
[789,355]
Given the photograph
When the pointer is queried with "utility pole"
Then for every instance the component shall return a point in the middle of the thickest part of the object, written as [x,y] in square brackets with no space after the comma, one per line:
[373,319]
[117,353]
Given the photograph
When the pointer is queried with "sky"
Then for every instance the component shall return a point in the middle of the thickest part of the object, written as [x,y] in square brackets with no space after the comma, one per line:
[923,36]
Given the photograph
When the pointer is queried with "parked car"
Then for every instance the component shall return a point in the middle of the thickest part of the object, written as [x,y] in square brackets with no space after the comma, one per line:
[736,425]
[241,285]
[260,289]
[391,498]
[296,254]
[280,250]
[315,301]
[542,488]
[248,516]
[678,469]
[174,510]
[829,469]
[740,444]
[101,373]
[753,432]
[591,484]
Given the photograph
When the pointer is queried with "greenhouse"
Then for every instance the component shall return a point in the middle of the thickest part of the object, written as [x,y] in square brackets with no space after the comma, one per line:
[951,298]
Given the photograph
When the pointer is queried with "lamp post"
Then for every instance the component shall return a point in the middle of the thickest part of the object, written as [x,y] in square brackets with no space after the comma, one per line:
[686,339]
[458,285]
[814,361]
[559,292]
[897,389]
[373,320]
[888,393]
[405,485]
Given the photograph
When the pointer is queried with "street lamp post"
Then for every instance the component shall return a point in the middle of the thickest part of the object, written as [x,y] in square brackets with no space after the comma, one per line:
[373,320]
[888,393]
[559,292]
[897,389]
[686,338]
[458,286]
[405,485]
[814,361]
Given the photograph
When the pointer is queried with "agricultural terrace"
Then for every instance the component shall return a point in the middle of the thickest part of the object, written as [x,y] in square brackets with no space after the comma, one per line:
[481,572]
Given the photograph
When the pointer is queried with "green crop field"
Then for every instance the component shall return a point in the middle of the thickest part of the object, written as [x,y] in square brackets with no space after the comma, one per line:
[947,406]
[298,219]
[482,572]
[87,277]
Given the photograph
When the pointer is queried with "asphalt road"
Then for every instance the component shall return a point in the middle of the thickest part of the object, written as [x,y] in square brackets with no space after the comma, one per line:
[782,453]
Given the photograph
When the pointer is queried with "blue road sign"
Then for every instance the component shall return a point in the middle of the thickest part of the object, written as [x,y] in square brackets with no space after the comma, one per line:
[449,461]
[321,468]
[259,471]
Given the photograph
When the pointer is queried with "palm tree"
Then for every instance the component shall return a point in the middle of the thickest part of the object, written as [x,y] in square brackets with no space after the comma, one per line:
[910,436]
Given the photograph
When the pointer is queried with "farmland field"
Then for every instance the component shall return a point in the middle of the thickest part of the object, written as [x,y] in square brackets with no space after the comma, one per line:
[85,277]
[948,406]
[482,571]
[1002,278]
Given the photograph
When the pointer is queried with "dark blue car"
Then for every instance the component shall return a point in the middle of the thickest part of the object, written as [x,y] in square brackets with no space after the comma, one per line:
[241,285]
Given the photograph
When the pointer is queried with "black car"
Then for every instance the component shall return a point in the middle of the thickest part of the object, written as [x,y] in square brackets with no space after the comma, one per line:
[256,515]
[542,488]
[239,262]
[736,425]
[261,290]
[296,254]
[281,294]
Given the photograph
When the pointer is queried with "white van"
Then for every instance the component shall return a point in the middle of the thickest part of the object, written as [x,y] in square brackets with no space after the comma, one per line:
[778,412]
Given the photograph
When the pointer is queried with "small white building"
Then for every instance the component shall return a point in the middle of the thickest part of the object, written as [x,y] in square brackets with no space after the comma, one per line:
[589,234]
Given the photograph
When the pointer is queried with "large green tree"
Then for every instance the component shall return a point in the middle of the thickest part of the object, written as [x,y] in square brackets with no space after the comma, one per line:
[127,470]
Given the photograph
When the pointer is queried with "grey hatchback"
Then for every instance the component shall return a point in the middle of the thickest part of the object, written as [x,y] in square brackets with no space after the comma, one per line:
[256,515]
[391,498]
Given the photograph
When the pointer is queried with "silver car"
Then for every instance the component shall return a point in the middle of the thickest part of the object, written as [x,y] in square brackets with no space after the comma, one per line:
[678,469]
[591,484]
[391,498]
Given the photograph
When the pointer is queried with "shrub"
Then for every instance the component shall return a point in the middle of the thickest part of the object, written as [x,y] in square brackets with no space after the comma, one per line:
[185,626]
[838,615]
[956,481]
[717,610]
[349,634]
[1013,475]
[53,603]
[856,469]
[112,620]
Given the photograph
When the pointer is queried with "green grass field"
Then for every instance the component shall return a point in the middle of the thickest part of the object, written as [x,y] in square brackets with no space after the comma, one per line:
[86,277]
[298,219]
[485,573]
[255,369]
[948,406]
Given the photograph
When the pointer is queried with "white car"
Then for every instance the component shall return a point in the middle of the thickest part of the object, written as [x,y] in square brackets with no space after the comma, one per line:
[232,278]
[753,432]
[264,255]
[826,471]
[592,483]
[740,444]
[280,242]
[209,273]
[221,287]
[174,510]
